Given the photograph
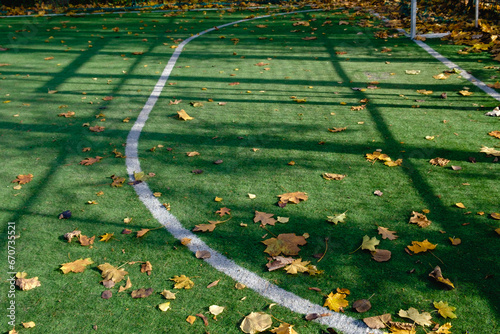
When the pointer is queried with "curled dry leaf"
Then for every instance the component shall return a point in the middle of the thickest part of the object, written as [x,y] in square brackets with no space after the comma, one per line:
[147,267]
[438,276]
[86,241]
[214,283]
[278,262]
[70,235]
[256,322]
[142,232]
[97,128]
[24,283]
[439,161]
[183,115]
[381,255]
[420,219]
[332,176]
[127,285]
[29,324]
[142,293]
[23,179]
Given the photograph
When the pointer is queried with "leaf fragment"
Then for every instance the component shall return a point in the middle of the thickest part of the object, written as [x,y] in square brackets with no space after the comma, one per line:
[127,285]
[378,321]
[164,306]
[381,255]
[284,328]
[439,161]
[333,176]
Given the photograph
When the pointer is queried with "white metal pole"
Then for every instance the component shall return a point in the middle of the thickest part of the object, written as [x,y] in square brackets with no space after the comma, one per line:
[413,27]
[477,13]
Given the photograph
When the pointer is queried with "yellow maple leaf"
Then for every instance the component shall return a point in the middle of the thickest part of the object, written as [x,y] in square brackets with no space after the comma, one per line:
[395,163]
[444,329]
[183,115]
[465,93]
[421,246]
[445,310]
[336,302]
[284,328]
[182,282]
[109,272]
[395,330]
[77,266]
[297,266]
[106,237]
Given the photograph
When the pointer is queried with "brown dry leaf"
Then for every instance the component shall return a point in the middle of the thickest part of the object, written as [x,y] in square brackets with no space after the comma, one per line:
[421,246]
[333,176]
[86,241]
[77,266]
[70,235]
[117,181]
[67,114]
[381,255]
[142,293]
[495,134]
[496,85]
[223,211]
[362,305]
[107,98]
[147,267]
[183,115]
[109,272]
[127,285]
[386,233]
[420,219]
[294,197]
[278,262]
[378,321]
[204,254]
[439,161]
[142,232]
[358,108]
[182,282]
[174,102]
[335,129]
[27,283]
[336,302]
[256,322]
[297,266]
[207,227]
[23,179]
[97,128]
[264,218]
[214,283]
[286,243]
[438,276]
[90,161]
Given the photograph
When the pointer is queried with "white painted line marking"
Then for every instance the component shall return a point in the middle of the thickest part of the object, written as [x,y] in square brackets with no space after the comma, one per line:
[284,298]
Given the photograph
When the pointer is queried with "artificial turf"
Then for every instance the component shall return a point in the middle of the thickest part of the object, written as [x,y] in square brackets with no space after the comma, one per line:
[91,63]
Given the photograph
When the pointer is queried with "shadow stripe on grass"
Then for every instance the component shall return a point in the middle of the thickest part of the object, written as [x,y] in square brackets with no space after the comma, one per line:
[278,295]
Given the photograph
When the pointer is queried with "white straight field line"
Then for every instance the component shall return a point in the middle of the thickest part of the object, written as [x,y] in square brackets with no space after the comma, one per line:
[282,297]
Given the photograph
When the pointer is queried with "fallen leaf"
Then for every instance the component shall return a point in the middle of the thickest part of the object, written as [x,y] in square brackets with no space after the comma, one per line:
[335,129]
[297,266]
[439,161]
[444,329]
[495,134]
[424,92]
[86,241]
[490,151]
[107,98]
[455,241]
[67,114]
[142,232]
[192,154]
[256,322]
[196,104]
[332,176]
[370,244]
[25,284]
[412,72]
[147,267]
[107,294]
[70,235]
[465,93]
[185,241]
[394,163]
[240,286]
[336,302]
[337,218]
[214,283]
[97,128]
[286,243]
[215,309]
[127,285]
[223,211]
[440,76]
[438,276]
[109,272]
[29,324]
[202,316]
[386,233]
[23,179]
[378,321]
[191,319]
[362,305]
[174,102]
[182,282]
[90,161]
[294,197]
[204,254]
[421,246]
[381,255]
[283,220]
[164,306]
[183,115]
[284,328]
[278,262]
[168,294]
[141,293]
[423,319]
[420,219]
[445,310]
[106,237]
[77,266]
[264,218]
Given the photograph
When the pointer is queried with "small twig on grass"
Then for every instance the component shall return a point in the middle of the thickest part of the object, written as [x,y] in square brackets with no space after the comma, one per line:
[436,256]
[326,248]
[274,235]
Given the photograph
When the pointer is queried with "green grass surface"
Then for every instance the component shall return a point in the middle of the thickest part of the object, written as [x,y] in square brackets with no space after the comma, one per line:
[259,114]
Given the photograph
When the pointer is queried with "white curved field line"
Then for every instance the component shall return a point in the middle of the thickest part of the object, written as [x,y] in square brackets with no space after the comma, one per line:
[284,298]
